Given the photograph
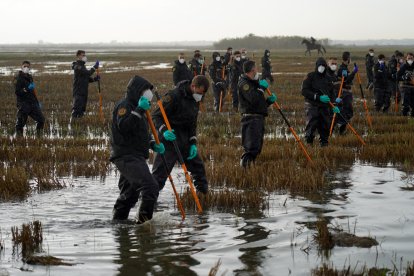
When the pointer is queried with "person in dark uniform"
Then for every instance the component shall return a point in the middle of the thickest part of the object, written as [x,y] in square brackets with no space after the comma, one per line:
[181,107]
[227,60]
[381,91]
[345,106]
[331,73]
[313,40]
[27,102]
[81,79]
[217,75]
[243,55]
[253,107]
[236,70]
[181,72]
[394,65]
[197,65]
[369,65]
[318,90]
[267,67]
[406,74]
[130,144]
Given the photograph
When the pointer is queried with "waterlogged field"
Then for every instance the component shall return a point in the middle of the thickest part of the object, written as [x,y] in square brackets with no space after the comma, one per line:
[348,212]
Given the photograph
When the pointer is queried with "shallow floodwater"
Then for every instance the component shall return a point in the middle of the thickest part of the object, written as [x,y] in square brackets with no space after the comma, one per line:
[78,228]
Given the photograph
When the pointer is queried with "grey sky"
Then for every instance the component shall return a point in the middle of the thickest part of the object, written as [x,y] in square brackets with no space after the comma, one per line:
[27,21]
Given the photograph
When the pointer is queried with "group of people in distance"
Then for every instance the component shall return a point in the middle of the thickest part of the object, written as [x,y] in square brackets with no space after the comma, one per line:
[131,139]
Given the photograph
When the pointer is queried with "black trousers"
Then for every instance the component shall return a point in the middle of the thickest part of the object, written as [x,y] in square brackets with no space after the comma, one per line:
[408,102]
[217,90]
[394,90]
[317,118]
[382,98]
[79,104]
[24,111]
[345,107]
[195,166]
[235,94]
[267,75]
[370,75]
[252,129]
[135,179]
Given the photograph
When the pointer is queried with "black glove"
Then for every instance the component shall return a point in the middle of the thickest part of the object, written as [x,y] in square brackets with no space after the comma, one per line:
[97,78]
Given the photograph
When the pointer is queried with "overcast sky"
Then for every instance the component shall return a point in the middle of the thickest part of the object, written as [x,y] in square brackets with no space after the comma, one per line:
[81,21]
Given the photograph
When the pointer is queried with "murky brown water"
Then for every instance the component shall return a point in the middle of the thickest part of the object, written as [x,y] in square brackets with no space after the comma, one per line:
[78,228]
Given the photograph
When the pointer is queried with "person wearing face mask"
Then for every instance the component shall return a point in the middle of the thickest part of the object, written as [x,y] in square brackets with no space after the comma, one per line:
[130,144]
[227,59]
[27,102]
[381,92]
[406,74]
[346,108]
[81,79]
[236,70]
[267,67]
[216,71]
[369,65]
[197,65]
[243,55]
[318,90]
[181,72]
[331,73]
[181,107]
[394,65]
[253,106]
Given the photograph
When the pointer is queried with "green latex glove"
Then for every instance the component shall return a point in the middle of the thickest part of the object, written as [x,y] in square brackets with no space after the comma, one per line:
[263,83]
[159,148]
[336,110]
[193,152]
[272,98]
[169,135]
[144,104]
[324,99]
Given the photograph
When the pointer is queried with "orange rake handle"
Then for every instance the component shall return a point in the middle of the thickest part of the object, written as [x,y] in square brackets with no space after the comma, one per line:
[302,147]
[180,157]
[157,140]
[334,116]
[364,101]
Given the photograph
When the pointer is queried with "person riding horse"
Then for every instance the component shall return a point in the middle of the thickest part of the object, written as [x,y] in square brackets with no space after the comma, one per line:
[312,45]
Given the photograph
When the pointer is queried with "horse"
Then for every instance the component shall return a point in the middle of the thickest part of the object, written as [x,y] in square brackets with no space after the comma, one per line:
[310,46]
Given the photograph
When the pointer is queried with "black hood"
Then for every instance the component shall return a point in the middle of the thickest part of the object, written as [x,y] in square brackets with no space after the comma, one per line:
[215,54]
[136,86]
[266,52]
[320,61]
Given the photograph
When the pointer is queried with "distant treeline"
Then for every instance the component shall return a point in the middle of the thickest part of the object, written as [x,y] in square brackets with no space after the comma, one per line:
[254,42]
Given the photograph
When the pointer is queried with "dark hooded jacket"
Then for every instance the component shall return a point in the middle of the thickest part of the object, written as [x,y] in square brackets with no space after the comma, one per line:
[216,69]
[24,96]
[266,64]
[406,70]
[81,77]
[380,76]
[252,97]
[130,135]
[181,72]
[348,80]
[317,84]
[182,112]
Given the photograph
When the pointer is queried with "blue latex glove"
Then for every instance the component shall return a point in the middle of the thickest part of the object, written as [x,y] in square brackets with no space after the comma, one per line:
[338,100]
[193,152]
[272,98]
[263,83]
[96,66]
[344,73]
[159,148]
[97,78]
[169,135]
[335,109]
[31,86]
[144,104]
[355,68]
[324,99]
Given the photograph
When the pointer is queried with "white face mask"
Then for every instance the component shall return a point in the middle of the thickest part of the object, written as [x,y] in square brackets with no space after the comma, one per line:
[181,60]
[268,54]
[321,69]
[218,58]
[238,58]
[26,70]
[256,77]
[148,94]
[201,61]
[410,61]
[381,61]
[371,54]
[84,59]
[333,67]
[197,97]
[243,56]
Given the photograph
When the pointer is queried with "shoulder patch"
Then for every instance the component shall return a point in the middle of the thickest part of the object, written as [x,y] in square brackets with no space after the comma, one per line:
[122,111]
[246,87]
